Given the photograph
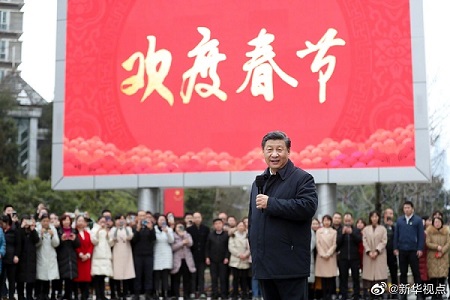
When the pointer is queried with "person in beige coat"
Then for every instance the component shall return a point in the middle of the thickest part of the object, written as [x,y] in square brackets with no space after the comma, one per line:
[239,259]
[438,242]
[375,256]
[326,263]
[123,264]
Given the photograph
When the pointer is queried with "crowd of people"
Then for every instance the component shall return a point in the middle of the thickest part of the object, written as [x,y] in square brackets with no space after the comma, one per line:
[46,256]
[378,250]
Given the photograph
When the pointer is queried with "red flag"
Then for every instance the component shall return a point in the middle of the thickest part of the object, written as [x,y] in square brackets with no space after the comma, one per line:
[174,202]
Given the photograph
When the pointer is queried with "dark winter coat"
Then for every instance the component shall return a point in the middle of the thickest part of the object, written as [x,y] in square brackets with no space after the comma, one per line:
[67,256]
[348,244]
[217,246]
[13,246]
[143,242]
[26,268]
[390,236]
[199,237]
[280,235]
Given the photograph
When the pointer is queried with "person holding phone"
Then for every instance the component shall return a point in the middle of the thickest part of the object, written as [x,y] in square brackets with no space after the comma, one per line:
[47,261]
[8,209]
[188,219]
[143,242]
[101,257]
[171,220]
[163,258]
[123,266]
[11,257]
[26,269]
[57,283]
[347,241]
[67,255]
[183,261]
[84,255]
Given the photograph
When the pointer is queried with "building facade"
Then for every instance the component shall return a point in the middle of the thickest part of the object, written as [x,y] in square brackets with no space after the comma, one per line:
[29,102]
[11,24]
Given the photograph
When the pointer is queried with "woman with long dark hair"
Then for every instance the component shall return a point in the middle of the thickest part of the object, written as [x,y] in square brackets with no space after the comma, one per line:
[326,262]
[163,257]
[101,257]
[123,264]
[375,257]
[84,255]
[67,255]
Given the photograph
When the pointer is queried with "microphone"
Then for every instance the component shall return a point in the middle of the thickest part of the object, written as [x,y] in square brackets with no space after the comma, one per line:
[260,181]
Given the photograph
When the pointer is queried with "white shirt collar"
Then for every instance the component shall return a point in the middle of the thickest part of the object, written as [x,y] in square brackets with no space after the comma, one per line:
[409,218]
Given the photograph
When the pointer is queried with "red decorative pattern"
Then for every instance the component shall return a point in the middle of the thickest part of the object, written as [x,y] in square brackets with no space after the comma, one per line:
[384,148]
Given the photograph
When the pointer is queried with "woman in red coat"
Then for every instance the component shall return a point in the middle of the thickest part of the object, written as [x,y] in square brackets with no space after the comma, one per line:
[84,254]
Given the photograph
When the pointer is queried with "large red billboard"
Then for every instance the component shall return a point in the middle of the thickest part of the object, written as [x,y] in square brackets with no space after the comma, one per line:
[192,86]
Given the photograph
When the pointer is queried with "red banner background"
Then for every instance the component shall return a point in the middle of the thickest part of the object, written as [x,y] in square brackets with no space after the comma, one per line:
[367,119]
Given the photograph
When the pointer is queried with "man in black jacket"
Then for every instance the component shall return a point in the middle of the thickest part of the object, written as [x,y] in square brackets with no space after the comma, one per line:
[337,225]
[348,240]
[217,256]
[280,223]
[199,233]
[142,242]
[391,258]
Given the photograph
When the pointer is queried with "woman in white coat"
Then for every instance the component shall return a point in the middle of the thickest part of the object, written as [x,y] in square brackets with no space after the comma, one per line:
[163,257]
[101,257]
[123,264]
[46,257]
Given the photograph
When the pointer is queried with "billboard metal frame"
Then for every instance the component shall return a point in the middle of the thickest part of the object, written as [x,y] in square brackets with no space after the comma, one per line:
[420,173]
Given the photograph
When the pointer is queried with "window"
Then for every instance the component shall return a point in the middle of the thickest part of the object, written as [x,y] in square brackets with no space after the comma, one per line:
[3,20]
[3,49]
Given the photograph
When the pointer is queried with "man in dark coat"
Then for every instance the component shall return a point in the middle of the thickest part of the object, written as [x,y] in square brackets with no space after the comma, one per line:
[347,244]
[143,242]
[199,233]
[217,257]
[409,242]
[391,258]
[280,223]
